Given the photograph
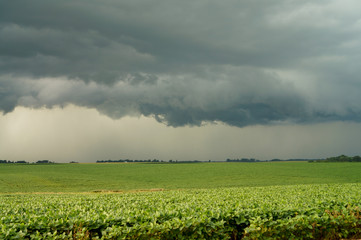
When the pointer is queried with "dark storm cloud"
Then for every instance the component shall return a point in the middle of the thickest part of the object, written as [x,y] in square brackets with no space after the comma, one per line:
[185,62]
[87,38]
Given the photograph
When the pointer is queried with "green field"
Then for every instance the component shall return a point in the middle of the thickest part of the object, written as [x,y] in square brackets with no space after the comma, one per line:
[270,200]
[134,176]
[321,211]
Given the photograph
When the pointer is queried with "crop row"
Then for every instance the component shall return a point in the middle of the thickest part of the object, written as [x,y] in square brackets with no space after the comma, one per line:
[282,212]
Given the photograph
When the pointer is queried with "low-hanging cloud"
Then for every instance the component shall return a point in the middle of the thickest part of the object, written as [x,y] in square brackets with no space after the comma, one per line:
[185,63]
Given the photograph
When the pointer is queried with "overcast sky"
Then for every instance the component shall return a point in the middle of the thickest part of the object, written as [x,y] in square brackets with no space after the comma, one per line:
[82,80]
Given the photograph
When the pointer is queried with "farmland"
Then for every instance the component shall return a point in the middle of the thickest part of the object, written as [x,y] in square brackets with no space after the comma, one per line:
[123,177]
[197,201]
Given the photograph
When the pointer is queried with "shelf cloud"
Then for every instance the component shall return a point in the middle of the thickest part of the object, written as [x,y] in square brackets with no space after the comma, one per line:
[185,62]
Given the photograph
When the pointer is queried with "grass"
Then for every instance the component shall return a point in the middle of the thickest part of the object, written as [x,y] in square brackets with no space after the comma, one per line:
[134,176]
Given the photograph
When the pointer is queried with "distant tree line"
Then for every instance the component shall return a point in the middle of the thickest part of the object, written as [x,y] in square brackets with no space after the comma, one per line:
[25,162]
[145,161]
[127,160]
[8,161]
[288,160]
[341,158]
[44,162]
[190,161]
[272,160]
[242,160]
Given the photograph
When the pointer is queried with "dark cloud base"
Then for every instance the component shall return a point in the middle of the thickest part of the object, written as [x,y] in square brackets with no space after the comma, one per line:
[185,63]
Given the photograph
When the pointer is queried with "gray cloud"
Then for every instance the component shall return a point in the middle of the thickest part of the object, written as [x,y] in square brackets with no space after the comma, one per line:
[185,63]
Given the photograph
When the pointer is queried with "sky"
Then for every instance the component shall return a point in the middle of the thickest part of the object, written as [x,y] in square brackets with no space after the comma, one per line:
[87,80]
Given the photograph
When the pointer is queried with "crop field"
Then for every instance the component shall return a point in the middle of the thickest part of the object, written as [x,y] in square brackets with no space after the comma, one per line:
[188,201]
[132,176]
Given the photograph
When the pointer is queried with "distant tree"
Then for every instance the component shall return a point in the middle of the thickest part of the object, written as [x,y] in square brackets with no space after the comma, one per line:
[6,161]
[21,161]
[43,161]
[341,158]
